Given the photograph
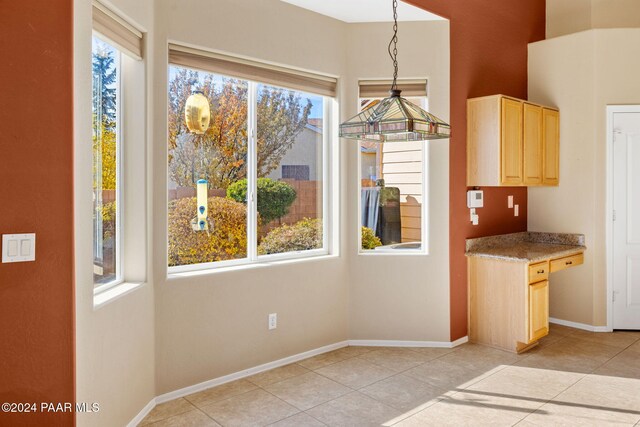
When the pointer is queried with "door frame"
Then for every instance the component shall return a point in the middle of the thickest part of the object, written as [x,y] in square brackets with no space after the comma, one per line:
[611,110]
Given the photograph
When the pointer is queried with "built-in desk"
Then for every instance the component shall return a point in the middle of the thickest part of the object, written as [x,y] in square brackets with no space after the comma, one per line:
[508,279]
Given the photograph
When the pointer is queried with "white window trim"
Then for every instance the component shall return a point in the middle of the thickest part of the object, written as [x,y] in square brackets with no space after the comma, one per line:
[424,224]
[105,296]
[129,277]
[252,258]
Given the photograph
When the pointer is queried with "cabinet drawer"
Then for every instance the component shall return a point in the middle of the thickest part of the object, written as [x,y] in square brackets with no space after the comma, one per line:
[538,271]
[566,262]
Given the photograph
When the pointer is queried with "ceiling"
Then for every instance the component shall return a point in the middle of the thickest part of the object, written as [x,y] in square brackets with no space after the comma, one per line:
[364,10]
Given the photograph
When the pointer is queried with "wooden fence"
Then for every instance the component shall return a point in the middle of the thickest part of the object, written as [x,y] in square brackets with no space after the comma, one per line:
[308,203]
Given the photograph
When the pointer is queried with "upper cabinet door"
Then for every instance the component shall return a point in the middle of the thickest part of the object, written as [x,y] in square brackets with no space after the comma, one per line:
[532,144]
[511,143]
[551,147]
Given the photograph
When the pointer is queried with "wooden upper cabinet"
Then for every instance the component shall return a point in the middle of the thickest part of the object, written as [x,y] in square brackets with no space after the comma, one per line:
[511,142]
[551,147]
[532,136]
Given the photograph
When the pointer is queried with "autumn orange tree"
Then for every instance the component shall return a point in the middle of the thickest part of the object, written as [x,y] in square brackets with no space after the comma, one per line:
[104,116]
[220,154]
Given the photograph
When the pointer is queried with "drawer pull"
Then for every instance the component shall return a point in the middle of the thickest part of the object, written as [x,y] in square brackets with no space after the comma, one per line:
[568,263]
[540,271]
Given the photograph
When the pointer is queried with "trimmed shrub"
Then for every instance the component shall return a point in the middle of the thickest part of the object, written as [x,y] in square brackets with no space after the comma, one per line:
[274,197]
[226,239]
[303,235]
[369,239]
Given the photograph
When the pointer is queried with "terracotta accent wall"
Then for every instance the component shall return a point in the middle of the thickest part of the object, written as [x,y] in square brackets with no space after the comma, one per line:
[488,56]
[36,195]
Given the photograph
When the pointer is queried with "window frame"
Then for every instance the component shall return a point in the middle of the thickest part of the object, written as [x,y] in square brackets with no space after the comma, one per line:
[252,258]
[119,199]
[424,224]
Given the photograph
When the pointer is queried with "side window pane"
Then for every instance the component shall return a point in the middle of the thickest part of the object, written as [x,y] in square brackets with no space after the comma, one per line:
[106,212]
[219,157]
[391,194]
[290,164]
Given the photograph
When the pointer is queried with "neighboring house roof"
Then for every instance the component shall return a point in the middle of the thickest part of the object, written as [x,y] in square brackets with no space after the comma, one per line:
[315,122]
[313,128]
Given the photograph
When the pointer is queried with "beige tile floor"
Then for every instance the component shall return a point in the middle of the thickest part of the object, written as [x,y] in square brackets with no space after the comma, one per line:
[572,378]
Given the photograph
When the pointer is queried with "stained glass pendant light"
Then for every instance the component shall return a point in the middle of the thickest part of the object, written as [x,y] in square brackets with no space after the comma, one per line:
[394,119]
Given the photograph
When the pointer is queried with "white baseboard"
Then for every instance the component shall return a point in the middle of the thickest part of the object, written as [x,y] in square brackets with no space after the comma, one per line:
[247,372]
[577,325]
[459,341]
[281,362]
[393,343]
[145,411]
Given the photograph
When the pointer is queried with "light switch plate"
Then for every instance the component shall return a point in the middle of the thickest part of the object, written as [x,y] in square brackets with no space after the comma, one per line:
[510,202]
[18,247]
[516,210]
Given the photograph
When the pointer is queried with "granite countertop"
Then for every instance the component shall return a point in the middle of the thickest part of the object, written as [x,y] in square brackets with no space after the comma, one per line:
[527,246]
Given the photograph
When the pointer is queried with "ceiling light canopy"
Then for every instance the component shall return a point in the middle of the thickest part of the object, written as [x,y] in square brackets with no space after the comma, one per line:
[394,119]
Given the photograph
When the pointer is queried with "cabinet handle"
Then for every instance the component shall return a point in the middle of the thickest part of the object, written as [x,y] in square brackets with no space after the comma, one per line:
[540,271]
[568,263]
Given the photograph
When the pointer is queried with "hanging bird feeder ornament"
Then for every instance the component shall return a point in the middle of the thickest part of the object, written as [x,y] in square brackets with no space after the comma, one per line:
[197,113]
[201,222]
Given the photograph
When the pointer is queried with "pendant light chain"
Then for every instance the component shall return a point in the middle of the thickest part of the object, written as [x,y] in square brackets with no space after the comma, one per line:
[394,41]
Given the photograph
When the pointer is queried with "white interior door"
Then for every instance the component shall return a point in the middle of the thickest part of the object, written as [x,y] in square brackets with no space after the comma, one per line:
[626,224]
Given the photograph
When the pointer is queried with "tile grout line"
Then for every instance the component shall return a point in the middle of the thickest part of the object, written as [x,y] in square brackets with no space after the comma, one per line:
[291,416]
[439,399]
[584,375]
[209,416]
[315,406]
[317,373]
[549,400]
[222,399]
[169,416]
[403,372]
[199,406]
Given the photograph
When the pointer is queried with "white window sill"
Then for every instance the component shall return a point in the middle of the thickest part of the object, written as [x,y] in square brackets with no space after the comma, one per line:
[405,252]
[100,299]
[175,275]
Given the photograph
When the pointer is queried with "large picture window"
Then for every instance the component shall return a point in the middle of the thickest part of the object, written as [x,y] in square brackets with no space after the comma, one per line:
[258,207]
[392,191]
[106,162]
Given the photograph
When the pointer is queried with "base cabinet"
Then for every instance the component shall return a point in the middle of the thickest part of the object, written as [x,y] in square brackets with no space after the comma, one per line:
[509,301]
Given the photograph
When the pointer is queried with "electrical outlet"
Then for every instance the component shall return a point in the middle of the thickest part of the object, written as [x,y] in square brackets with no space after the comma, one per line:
[516,210]
[273,321]
[510,202]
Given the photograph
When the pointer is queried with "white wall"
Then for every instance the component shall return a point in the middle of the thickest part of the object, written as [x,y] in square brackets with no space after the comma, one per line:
[571,16]
[401,297]
[210,325]
[114,343]
[581,74]
[179,331]
[213,324]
